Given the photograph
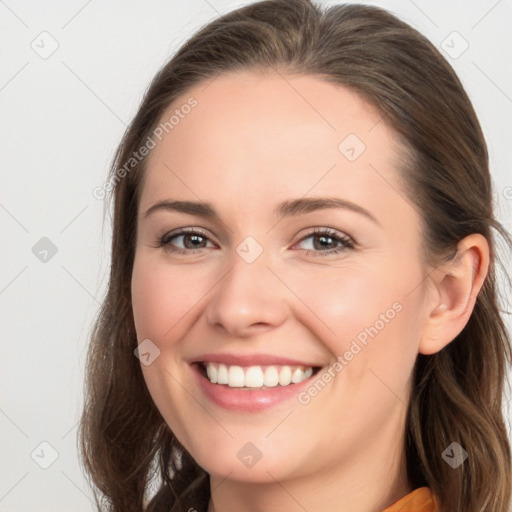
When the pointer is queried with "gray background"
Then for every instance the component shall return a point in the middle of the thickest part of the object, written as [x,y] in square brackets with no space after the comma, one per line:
[62,116]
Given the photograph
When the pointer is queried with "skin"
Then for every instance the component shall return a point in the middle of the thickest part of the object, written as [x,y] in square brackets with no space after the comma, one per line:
[254,140]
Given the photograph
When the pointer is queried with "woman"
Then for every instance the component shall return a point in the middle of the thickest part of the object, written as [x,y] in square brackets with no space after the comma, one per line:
[231,367]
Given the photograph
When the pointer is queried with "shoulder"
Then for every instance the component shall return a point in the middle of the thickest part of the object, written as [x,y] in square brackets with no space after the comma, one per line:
[419,500]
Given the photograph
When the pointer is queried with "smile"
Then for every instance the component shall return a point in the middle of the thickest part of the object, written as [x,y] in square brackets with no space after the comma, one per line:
[251,388]
[258,377]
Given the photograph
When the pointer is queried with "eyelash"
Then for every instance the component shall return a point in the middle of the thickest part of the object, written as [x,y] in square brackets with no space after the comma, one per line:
[345,241]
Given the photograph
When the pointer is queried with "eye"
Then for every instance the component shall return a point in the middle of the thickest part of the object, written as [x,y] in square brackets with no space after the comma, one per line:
[325,241]
[190,239]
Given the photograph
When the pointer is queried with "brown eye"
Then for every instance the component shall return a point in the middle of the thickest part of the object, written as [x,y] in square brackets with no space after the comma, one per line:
[184,241]
[326,241]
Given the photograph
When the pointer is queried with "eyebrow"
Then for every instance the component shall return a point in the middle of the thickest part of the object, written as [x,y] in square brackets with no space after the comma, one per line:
[288,208]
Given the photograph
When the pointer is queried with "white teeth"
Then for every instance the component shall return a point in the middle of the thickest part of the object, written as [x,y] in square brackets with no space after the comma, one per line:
[222,374]
[236,377]
[297,375]
[271,377]
[211,370]
[285,376]
[256,376]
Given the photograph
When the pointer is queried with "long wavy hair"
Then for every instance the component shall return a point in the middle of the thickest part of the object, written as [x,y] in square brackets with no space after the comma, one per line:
[132,458]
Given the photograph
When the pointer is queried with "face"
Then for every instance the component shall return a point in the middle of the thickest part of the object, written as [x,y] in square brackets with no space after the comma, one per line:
[306,256]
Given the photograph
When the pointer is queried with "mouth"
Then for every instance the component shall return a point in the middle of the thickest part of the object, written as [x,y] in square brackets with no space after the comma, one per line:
[255,377]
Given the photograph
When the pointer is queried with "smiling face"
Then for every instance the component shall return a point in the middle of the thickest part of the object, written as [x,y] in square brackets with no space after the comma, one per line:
[305,249]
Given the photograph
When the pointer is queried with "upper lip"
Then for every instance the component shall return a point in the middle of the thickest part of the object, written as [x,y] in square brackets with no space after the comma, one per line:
[250,360]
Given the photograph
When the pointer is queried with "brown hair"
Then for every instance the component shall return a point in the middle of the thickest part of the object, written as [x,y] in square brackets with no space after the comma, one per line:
[126,445]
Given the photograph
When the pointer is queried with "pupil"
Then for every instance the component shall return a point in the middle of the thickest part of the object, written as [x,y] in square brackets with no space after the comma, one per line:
[324,238]
[193,237]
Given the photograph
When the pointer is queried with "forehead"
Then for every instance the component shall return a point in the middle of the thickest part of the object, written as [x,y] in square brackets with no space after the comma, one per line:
[268,135]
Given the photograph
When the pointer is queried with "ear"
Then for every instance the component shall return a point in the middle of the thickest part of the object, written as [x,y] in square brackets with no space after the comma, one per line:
[455,287]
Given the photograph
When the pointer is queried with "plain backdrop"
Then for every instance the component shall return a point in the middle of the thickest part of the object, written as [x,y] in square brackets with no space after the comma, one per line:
[72,75]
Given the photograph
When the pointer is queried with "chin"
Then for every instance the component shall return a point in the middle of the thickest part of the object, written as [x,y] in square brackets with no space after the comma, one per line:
[244,462]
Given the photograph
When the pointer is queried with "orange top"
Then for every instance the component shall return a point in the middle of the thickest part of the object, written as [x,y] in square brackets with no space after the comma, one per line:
[419,500]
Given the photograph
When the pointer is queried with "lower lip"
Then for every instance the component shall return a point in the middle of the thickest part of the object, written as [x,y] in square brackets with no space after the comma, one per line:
[246,399]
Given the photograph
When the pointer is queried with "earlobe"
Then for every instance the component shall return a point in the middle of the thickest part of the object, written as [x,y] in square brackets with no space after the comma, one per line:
[457,285]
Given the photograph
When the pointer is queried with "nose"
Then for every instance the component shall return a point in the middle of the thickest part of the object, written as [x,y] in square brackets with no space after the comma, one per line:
[248,299]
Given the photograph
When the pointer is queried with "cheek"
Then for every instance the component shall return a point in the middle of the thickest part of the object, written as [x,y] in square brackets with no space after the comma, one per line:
[369,318]
[161,296]
[342,303]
